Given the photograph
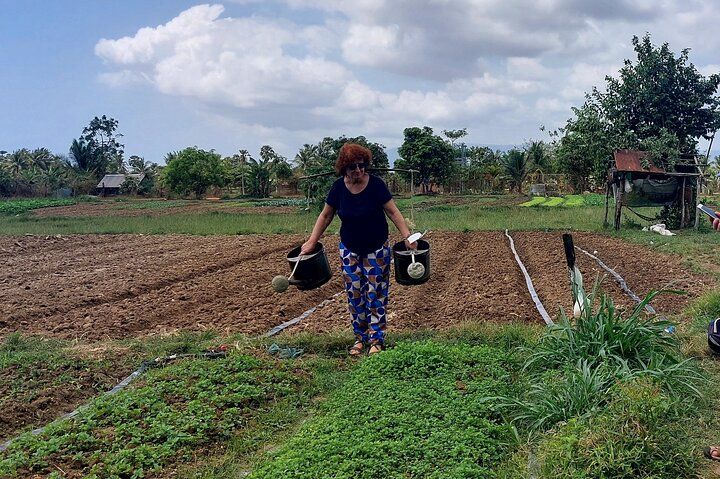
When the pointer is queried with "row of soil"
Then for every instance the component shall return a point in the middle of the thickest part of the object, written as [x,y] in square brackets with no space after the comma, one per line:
[118,286]
[643,270]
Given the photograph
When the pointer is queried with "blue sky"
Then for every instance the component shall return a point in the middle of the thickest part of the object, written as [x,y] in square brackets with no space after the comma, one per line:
[243,73]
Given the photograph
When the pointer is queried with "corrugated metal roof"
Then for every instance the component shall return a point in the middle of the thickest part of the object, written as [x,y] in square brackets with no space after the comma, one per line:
[631,160]
[114,181]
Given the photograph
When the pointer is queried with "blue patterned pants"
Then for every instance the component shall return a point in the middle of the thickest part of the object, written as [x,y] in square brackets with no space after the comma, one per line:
[367,279]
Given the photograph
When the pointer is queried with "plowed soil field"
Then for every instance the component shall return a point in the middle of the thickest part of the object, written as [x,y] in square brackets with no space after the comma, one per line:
[99,287]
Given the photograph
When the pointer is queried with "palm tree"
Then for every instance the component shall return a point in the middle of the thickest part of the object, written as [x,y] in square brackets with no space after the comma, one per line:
[82,155]
[15,164]
[537,156]
[42,158]
[515,166]
[139,165]
[54,177]
[307,156]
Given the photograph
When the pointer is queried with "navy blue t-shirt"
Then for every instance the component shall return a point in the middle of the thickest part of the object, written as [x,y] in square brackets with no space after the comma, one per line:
[364,228]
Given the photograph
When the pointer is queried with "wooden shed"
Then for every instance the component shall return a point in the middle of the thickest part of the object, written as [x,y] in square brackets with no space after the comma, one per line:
[634,180]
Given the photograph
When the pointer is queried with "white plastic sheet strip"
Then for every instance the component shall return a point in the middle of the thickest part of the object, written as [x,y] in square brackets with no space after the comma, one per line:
[528,281]
[619,279]
[307,313]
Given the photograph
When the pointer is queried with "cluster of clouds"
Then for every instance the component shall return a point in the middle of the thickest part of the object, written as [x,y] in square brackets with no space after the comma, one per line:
[288,72]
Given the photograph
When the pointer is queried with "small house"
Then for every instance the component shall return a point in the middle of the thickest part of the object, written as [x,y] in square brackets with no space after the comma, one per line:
[110,184]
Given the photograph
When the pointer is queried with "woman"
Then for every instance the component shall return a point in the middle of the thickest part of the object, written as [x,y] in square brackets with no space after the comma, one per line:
[362,200]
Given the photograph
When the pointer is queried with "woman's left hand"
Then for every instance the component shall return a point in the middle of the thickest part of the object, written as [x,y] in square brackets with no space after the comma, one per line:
[410,245]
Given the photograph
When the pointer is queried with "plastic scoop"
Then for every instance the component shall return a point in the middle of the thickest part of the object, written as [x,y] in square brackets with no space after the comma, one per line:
[414,237]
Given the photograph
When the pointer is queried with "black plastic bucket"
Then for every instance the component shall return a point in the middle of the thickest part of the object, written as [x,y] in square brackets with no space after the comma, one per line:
[403,258]
[313,270]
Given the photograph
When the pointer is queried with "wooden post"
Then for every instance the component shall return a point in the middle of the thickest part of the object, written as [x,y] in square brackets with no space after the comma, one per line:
[682,205]
[607,204]
[618,202]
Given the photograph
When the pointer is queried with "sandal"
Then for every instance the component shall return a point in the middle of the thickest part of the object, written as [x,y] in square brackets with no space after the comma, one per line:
[357,348]
[375,348]
[708,452]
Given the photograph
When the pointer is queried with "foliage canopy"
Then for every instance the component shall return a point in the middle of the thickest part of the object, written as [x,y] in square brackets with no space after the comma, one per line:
[193,171]
[660,103]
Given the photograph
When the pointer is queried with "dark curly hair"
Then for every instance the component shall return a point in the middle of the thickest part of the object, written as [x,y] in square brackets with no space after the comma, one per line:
[352,153]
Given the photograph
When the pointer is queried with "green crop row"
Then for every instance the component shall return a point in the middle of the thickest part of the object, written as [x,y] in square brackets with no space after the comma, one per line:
[19,206]
[171,413]
[566,201]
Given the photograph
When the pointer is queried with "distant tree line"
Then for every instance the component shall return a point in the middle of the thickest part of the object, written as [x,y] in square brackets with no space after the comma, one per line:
[660,104]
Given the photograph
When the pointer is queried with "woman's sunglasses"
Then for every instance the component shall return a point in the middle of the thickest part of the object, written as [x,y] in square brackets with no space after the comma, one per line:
[357,166]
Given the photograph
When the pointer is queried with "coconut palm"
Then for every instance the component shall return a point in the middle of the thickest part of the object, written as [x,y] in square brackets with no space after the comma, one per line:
[82,155]
[307,156]
[515,168]
[538,157]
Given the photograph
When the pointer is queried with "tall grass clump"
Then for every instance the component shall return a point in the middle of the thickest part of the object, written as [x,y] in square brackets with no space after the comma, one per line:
[605,395]
[638,435]
[604,346]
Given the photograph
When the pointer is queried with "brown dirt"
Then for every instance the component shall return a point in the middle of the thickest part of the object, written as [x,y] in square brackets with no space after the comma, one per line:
[98,287]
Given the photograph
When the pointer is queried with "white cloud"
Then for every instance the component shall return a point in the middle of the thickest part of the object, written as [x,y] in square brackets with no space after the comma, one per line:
[374,67]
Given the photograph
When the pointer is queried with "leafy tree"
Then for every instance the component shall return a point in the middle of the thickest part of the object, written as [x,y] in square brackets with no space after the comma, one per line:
[428,153]
[660,104]
[106,151]
[454,135]
[585,148]
[662,94]
[193,170]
